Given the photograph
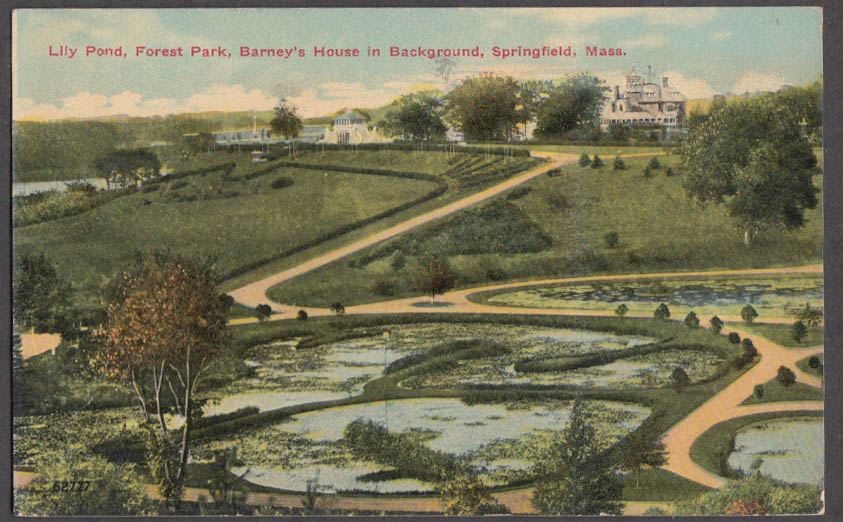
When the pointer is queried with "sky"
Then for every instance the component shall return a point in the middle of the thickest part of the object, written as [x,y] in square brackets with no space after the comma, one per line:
[703,51]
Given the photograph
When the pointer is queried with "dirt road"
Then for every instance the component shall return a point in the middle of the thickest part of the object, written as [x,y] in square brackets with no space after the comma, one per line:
[254,294]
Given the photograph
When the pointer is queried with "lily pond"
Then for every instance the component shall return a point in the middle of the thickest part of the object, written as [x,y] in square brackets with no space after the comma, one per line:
[500,440]
[771,297]
[787,450]
[285,376]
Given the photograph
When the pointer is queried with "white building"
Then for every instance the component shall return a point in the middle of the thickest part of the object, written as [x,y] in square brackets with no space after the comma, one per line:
[644,103]
[351,128]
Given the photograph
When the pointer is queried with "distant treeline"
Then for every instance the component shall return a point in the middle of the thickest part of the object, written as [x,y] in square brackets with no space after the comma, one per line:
[67,149]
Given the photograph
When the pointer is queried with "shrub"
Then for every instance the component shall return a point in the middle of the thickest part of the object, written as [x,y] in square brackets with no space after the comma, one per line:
[384,288]
[680,378]
[654,163]
[282,182]
[749,349]
[111,490]
[263,311]
[584,161]
[814,362]
[755,494]
[557,201]
[662,312]
[301,315]
[748,314]
[596,163]
[734,338]
[518,193]
[648,172]
[798,331]
[668,172]
[759,390]
[716,324]
[618,164]
[338,308]
[691,320]
[621,310]
[809,315]
[785,376]
[612,239]
[398,260]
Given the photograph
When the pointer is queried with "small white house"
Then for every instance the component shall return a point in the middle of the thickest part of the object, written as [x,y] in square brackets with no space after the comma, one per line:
[351,128]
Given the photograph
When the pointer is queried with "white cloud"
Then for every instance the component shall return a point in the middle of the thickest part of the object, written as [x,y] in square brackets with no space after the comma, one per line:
[692,88]
[755,81]
[220,97]
[721,35]
[112,27]
[647,41]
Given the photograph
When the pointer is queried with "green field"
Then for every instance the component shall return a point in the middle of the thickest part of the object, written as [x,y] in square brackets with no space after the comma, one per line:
[781,334]
[658,229]
[805,367]
[775,392]
[235,223]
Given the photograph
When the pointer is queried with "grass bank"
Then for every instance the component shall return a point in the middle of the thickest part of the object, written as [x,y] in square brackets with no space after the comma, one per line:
[658,230]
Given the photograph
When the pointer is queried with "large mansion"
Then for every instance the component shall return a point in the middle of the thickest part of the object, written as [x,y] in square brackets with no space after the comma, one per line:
[644,103]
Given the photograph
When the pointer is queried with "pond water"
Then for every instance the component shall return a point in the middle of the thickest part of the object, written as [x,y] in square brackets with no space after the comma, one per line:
[652,370]
[286,376]
[771,297]
[495,438]
[24,188]
[787,450]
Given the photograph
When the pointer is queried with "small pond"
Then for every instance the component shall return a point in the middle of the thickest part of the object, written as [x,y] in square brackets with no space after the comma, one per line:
[787,450]
[498,439]
[771,297]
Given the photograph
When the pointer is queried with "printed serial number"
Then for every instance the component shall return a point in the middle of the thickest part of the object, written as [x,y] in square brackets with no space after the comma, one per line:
[71,485]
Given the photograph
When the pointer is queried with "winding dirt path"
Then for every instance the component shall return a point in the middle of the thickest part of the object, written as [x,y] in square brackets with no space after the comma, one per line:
[254,294]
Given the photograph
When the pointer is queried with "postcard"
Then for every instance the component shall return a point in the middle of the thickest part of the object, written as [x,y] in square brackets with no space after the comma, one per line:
[405,261]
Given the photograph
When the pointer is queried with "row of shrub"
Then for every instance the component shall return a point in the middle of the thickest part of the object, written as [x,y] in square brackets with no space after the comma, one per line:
[370,441]
[50,205]
[405,146]
[462,350]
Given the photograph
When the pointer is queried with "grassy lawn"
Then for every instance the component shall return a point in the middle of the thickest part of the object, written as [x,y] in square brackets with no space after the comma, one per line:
[711,450]
[805,367]
[254,223]
[775,392]
[781,334]
[659,485]
[658,228]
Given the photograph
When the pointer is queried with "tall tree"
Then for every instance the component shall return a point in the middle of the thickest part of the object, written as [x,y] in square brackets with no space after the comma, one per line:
[128,166]
[483,107]
[42,300]
[286,121]
[574,102]
[416,117]
[751,156]
[643,448]
[574,476]
[166,323]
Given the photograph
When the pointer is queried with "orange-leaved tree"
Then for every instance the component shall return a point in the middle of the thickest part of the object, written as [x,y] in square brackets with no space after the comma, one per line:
[166,323]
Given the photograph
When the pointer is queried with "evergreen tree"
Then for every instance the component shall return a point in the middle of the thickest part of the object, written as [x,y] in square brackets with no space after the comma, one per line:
[574,476]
